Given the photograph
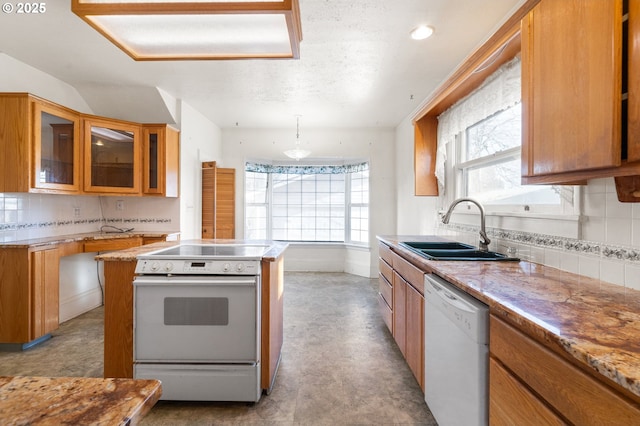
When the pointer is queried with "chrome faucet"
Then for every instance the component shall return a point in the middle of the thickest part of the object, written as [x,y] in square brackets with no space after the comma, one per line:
[483,245]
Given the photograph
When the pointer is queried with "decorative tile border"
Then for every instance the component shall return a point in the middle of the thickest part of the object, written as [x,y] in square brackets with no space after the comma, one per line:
[76,222]
[611,252]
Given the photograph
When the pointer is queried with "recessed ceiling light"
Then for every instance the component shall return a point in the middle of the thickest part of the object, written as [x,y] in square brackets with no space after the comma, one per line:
[422,32]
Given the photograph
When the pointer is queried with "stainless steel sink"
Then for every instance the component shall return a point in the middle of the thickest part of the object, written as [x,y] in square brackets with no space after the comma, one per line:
[452,251]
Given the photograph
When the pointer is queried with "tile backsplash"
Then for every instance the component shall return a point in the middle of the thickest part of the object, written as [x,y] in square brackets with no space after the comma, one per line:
[607,247]
[25,216]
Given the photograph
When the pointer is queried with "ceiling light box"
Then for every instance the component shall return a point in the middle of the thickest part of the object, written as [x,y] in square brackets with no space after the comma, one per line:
[197,30]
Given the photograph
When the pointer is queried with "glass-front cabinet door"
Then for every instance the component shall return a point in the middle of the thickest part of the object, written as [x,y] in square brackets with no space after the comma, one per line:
[112,156]
[153,146]
[161,160]
[56,148]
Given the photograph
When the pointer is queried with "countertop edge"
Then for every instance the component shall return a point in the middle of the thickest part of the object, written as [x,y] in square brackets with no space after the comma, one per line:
[83,237]
[275,251]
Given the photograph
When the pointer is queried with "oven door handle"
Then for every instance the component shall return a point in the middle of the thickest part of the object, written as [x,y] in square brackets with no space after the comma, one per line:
[204,283]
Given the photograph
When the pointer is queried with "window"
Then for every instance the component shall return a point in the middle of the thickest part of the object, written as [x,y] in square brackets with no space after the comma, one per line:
[307,203]
[479,140]
[488,163]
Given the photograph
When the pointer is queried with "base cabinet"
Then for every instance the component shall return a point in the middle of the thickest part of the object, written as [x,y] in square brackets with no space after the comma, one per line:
[29,294]
[512,403]
[401,301]
[30,286]
[45,287]
[532,385]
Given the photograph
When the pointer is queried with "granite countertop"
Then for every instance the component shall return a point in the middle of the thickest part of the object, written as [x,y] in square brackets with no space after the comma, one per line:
[88,236]
[75,400]
[595,322]
[276,248]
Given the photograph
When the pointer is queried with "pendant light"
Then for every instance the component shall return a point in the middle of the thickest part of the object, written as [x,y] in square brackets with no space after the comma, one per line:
[297,153]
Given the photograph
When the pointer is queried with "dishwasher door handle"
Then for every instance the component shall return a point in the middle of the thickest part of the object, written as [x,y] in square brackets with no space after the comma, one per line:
[450,298]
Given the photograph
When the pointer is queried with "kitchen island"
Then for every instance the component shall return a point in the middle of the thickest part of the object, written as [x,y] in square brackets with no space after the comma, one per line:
[119,271]
[563,346]
[75,400]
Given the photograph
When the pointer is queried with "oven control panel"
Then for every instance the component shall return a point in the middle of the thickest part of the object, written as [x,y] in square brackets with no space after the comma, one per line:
[197,267]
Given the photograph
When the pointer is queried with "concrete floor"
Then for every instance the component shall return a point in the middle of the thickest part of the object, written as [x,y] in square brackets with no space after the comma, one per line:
[339,365]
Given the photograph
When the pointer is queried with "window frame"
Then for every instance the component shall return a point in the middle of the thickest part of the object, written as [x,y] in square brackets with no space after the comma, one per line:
[347,205]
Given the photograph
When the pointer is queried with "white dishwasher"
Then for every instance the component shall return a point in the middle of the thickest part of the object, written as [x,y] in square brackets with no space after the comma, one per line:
[456,355]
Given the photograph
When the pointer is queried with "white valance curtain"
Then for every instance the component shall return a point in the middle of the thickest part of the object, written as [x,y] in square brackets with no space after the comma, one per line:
[498,92]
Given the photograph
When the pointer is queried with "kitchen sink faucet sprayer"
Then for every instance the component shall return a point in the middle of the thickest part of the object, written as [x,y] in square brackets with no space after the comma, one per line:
[483,244]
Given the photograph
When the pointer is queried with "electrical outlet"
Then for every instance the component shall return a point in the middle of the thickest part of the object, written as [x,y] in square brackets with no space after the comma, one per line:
[76,211]
[120,205]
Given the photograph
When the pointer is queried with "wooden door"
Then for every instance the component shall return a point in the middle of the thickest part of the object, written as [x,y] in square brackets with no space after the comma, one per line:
[571,86]
[56,147]
[113,153]
[415,333]
[400,312]
[218,201]
[225,210]
[45,290]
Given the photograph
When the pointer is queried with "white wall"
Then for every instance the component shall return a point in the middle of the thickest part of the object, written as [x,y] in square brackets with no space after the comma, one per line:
[371,144]
[200,140]
[20,77]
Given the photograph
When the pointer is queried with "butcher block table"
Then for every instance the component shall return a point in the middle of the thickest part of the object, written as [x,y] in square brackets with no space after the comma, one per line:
[75,400]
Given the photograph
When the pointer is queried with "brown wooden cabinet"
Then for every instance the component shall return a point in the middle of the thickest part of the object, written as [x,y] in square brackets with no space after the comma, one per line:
[408,314]
[43,146]
[581,97]
[401,301]
[385,285]
[113,154]
[400,312]
[161,160]
[40,142]
[45,291]
[29,285]
[531,385]
[29,294]
[218,201]
[571,91]
[57,148]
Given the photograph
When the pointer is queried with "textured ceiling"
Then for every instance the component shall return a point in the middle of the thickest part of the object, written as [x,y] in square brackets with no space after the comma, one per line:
[358,67]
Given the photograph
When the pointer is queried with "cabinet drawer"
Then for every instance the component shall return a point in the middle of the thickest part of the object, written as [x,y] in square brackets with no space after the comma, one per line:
[385,289]
[511,403]
[410,273]
[385,269]
[384,251]
[386,313]
[575,394]
[112,244]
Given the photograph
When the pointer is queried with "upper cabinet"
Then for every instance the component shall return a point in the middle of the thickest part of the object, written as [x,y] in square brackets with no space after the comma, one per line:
[113,154]
[40,142]
[56,148]
[580,97]
[48,148]
[571,90]
[161,160]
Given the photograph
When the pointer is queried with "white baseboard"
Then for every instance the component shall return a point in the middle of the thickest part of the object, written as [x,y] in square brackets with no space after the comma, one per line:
[79,304]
